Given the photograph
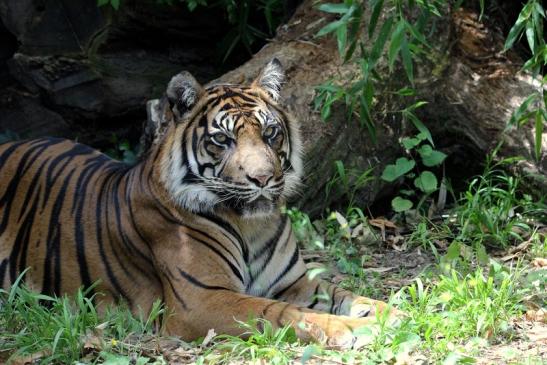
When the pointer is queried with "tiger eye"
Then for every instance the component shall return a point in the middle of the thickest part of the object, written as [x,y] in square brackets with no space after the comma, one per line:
[270,132]
[219,138]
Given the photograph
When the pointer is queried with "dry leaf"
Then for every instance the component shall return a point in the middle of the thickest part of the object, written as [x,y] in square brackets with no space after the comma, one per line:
[29,359]
[539,262]
[208,337]
[382,223]
[539,315]
[379,269]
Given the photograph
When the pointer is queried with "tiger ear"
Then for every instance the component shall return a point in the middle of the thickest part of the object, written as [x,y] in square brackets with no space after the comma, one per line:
[159,118]
[271,78]
[183,92]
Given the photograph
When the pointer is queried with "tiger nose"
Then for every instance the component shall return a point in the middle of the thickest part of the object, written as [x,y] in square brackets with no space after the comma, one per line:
[260,180]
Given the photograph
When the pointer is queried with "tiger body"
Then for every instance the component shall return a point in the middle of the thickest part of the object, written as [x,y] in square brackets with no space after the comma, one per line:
[195,224]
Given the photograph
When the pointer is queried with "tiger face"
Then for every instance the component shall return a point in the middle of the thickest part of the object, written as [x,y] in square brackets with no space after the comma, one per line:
[232,146]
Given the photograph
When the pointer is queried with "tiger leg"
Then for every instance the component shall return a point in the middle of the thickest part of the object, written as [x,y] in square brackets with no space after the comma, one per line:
[322,296]
[219,309]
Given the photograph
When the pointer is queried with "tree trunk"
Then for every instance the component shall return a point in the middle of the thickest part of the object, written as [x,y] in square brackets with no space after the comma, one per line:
[471,88]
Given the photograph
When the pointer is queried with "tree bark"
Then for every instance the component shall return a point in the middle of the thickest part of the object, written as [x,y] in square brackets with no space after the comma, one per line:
[471,88]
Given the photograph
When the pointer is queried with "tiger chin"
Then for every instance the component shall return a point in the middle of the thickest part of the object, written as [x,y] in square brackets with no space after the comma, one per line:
[196,223]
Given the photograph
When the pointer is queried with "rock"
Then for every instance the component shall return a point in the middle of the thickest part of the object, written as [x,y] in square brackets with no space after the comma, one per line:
[27,118]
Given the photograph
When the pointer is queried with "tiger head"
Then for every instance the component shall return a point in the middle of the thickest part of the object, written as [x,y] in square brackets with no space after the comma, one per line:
[229,146]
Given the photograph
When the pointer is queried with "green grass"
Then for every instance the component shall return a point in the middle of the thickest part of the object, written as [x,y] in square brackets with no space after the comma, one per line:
[58,329]
[493,211]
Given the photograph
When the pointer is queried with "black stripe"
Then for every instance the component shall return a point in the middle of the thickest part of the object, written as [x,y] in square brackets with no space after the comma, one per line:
[280,293]
[181,301]
[78,205]
[288,267]
[315,296]
[242,248]
[198,283]
[3,267]
[54,243]
[235,270]
[333,298]
[99,231]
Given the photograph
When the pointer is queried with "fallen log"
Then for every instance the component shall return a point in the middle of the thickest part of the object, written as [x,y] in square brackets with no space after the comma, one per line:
[471,87]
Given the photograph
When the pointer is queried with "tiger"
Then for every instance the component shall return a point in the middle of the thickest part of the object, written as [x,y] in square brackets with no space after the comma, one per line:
[197,223]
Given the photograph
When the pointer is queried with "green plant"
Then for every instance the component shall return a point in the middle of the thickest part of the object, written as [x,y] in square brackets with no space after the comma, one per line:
[245,30]
[305,232]
[8,136]
[348,182]
[424,180]
[492,211]
[260,342]
[122,150]
[54,329]
[456,308]
[534,108]
[399,36]
[115,4]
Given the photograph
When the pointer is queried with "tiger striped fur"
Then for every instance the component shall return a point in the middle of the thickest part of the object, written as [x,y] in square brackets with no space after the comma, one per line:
[196,223]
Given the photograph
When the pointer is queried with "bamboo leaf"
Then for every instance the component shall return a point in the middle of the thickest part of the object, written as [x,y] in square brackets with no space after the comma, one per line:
[395,43]
[334,8]
[539,134]
[377,7]
[407,60]
[329,28]
[380,42]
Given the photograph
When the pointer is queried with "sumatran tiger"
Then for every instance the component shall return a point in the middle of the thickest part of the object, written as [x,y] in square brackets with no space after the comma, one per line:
[196,223]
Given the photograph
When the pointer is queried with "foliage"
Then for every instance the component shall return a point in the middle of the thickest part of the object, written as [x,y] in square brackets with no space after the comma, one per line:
[424,181]
[492,211]
[122,150]
[8,136]
[55,328]
[399,36]
[457,308]
[246,30]
[348,182]
[260,342]
[530,22]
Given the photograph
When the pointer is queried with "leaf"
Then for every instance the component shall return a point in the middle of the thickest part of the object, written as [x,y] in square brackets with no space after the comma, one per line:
[102,2]
[407,60]
[426,182]
[419,125]
[401,167]
[425,150]
[538,134]
[376,9]
[334,8]
[431,157]
[453,251]
[400,204]
[380,42]
[309,352]
[329,28]
[353,34]
[512,36]
[316,271]
[410,143]
[395,43]
[115,4]
[405,91]
[341,38]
